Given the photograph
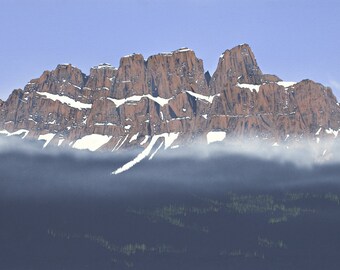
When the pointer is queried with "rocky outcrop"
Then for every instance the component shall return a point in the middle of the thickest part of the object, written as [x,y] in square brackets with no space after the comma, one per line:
[236,65]
[2,103]
[169,93]
[100,82]
[276,111]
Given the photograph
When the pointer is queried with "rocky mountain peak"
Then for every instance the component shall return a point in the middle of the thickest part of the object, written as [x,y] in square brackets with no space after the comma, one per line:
[130,77]
[100,81]
[170,74]
[237,65]
[104,66]
[168,96]
[69,73]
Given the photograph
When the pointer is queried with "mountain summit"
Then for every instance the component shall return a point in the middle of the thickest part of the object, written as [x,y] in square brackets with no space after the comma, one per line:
[170,97]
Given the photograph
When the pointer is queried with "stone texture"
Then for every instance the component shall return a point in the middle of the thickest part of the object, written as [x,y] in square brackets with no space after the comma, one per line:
[274,112]
[170,74]
[236,65]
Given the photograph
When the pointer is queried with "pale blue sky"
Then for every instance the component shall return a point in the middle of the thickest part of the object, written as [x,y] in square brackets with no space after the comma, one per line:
[294,39]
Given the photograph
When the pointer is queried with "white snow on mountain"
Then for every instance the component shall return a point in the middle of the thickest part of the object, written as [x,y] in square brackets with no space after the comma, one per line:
[47,138]
[18,132]
[91,142]
[249,86]
[202,97]
[169,138]
[215,136]
[66,100]
[286,84]
[332,131]
[159,100]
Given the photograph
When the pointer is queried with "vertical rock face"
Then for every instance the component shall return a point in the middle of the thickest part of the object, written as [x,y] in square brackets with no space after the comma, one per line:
[236,65]
[2,104]
[170,74]
[170,93]
[65,79]
[317,105]
[100,81]
[131,77]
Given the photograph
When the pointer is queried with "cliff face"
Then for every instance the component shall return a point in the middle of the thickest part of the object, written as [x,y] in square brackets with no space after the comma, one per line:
[168,93]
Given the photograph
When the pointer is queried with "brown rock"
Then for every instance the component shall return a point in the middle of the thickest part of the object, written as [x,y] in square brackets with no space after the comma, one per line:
[267,78]
[131,77]
[100,81]
[170,92]
[236,65]
[170,74]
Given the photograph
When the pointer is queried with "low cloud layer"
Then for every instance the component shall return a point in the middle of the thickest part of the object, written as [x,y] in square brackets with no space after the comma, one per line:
[27,171]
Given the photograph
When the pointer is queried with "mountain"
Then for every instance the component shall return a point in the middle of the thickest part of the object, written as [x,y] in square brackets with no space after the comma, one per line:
[169,97]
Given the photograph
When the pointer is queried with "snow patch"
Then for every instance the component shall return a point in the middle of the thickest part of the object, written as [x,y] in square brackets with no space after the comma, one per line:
[47,138]
[139,158]
[249,86]
[121,144]
[91,142]
[159,100]
[105,124]
[286,84]
[134,137]
[166,53]
[114,148]
[146,138]
[318,132]
[76,86]
[18,132]
[104,66]
[184,49]
[202,97]
[154,153]
[216,136]
[66,100]
[169,138]
[332,131]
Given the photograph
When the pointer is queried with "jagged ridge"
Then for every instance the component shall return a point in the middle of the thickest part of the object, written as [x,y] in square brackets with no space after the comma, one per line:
[169,93]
